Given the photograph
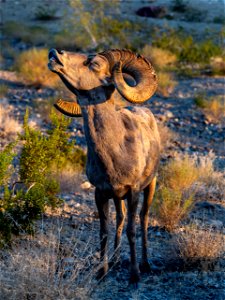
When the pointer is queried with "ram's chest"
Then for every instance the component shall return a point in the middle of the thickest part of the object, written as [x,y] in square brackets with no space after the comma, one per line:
[112,164]
[118,148]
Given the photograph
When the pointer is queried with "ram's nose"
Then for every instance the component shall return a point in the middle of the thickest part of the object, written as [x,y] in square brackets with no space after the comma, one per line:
[52,53]
[55,57]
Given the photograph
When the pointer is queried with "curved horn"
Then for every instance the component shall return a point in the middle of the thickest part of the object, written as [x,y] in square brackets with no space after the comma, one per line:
[124,61]
[71,109]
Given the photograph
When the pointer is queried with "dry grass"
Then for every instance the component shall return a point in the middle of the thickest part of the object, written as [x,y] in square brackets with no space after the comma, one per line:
[160,58]
[69,179]
[195,173]
[8,125]
[167,136]
[166,83]
[215,110]
[45,268]
[203,246]
[32,66]
[210,182]
[212,107]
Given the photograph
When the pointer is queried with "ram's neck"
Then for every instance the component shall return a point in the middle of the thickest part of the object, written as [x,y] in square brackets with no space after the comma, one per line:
[102,125]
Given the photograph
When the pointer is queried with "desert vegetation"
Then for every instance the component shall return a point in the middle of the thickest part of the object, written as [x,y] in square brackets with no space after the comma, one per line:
[48,220]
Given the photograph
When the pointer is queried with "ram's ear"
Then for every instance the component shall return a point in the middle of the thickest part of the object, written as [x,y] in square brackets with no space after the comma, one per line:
[71,109]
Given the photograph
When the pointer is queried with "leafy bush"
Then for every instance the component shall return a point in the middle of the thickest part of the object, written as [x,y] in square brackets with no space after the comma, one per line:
[6,157]
[32,66]
[23,202]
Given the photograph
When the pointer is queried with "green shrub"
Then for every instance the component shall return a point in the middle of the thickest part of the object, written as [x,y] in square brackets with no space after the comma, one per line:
[6,157]
[186,48]
[32,66]
[25,200]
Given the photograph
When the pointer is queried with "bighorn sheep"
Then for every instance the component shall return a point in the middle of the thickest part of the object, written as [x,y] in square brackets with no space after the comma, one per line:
[123,144]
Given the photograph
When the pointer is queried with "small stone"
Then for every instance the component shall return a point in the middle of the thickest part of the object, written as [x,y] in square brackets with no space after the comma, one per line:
[85,185]
[169,114]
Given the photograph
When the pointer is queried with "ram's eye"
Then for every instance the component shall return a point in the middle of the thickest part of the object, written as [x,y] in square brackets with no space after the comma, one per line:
[95,66]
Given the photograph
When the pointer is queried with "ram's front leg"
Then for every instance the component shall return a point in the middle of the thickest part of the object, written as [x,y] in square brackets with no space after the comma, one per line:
[132,201]
[102,203]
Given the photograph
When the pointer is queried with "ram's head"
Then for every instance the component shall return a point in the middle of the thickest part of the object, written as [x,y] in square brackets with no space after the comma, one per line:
[94,78]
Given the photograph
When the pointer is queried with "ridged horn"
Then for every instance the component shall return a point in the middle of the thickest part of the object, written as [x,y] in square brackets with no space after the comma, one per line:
[71,109]
[125,61]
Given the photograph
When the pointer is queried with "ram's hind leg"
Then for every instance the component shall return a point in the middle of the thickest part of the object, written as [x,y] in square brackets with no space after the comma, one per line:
[120,218]
[102,203]
[148,196]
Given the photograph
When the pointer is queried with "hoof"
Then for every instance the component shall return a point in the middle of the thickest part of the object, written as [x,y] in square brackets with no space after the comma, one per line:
[134,279]
[145,267]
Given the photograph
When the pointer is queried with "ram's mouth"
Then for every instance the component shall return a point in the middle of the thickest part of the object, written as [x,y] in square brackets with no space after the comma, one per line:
[54,60]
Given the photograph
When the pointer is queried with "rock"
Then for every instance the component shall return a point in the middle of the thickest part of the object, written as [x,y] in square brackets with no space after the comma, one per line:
[169,114]
[86,185]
